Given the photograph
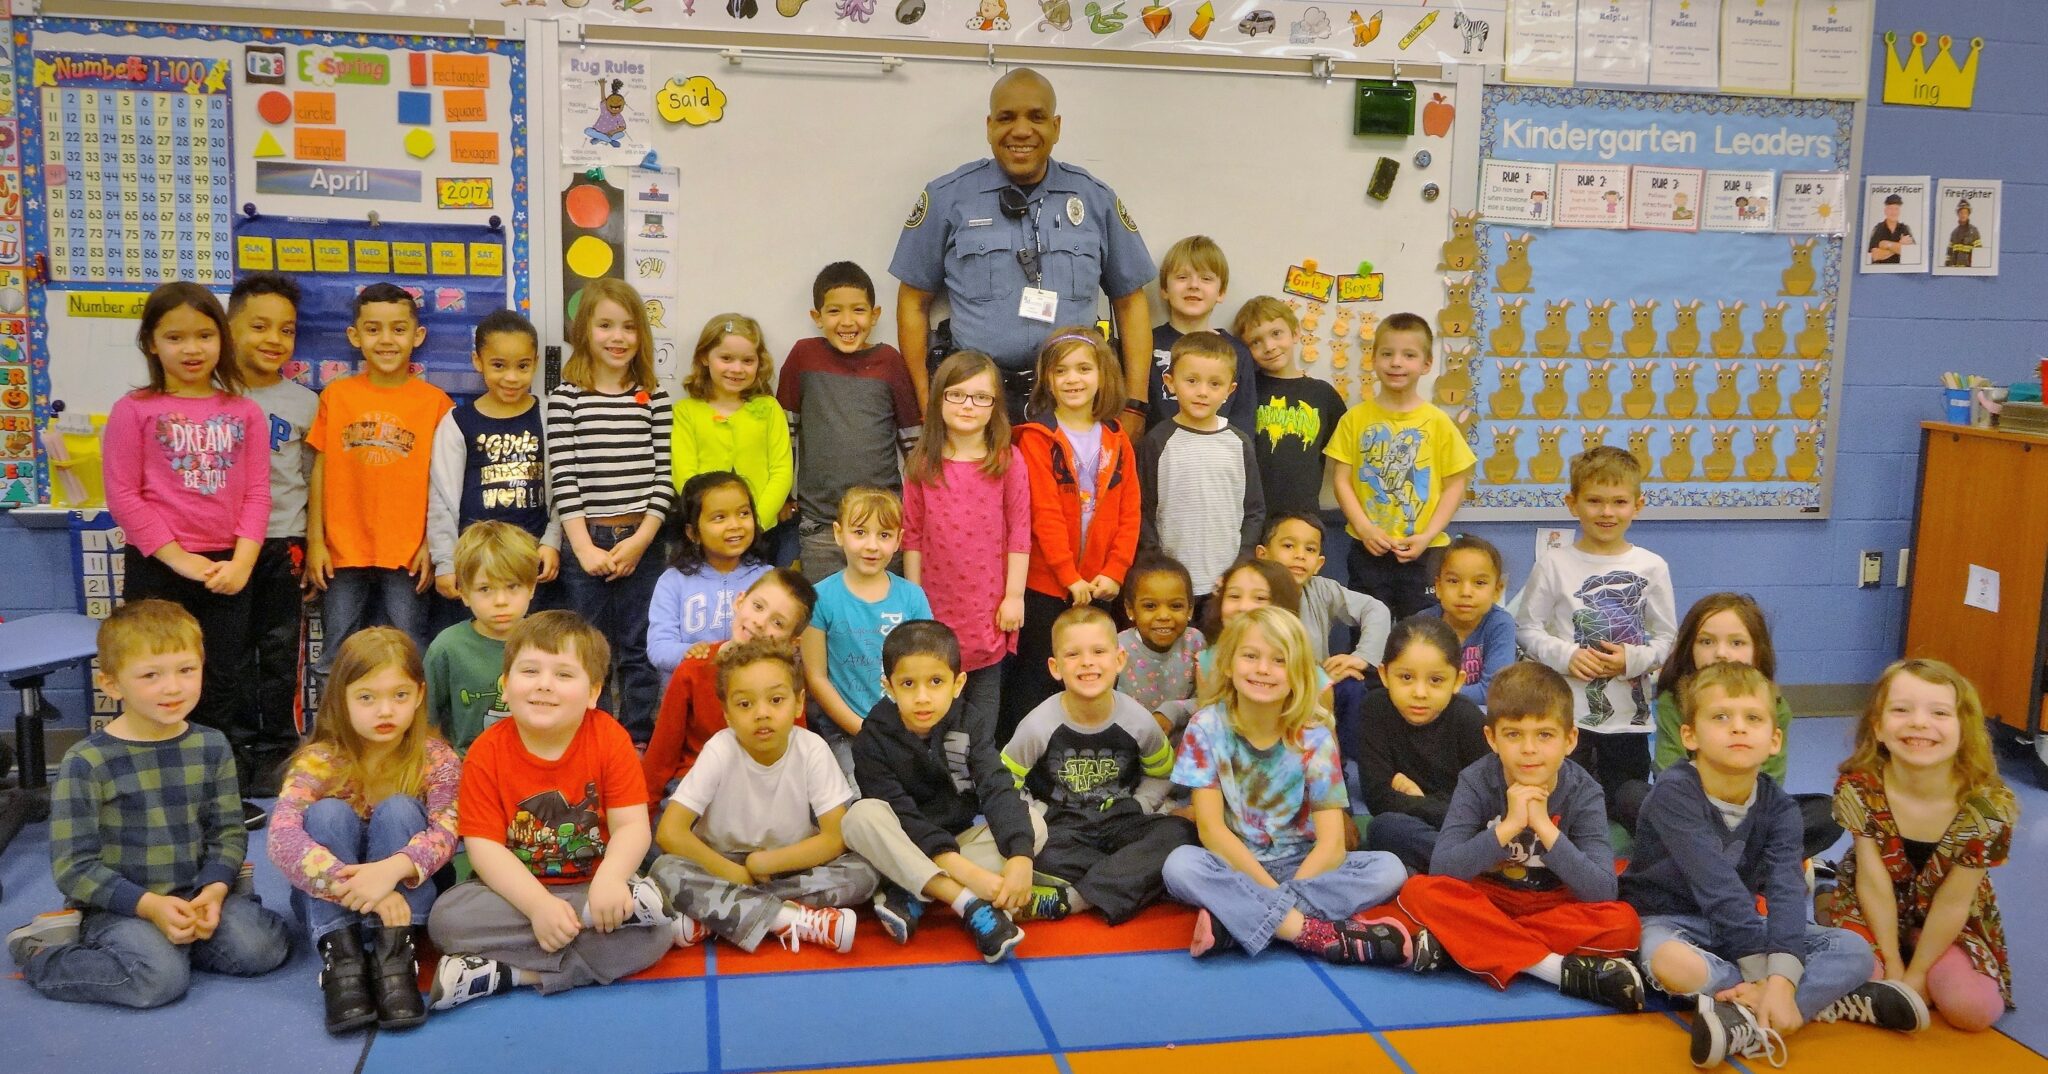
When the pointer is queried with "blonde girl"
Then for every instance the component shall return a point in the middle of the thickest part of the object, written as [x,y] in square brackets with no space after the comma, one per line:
[729,419]
[366,817]
[187,466]
[1921,795]
[967,524]
[1085,506]
[608,430]
[1270,804]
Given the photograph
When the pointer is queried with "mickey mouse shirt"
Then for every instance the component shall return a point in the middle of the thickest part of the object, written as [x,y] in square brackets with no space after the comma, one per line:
[194,471]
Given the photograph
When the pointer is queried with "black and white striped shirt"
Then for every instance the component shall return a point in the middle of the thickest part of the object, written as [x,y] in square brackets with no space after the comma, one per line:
[609,454]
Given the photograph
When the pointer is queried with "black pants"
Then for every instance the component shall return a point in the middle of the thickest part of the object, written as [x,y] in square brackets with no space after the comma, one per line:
[1621,762]
[277,628]
[226,703]
[1405,588]
[1114,861]
[1406,837]
[1026,680]
[1818,830]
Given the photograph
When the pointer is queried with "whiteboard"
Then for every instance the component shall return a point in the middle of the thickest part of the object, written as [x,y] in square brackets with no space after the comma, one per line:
[812,165]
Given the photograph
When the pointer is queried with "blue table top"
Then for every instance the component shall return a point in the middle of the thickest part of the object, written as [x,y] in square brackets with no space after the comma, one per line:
[42,643]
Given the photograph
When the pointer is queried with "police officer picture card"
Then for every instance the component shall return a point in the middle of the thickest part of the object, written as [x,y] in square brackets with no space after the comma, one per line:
[1966,225]
[1895,223]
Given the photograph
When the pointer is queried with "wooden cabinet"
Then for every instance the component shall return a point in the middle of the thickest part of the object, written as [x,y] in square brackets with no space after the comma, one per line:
[1983,502]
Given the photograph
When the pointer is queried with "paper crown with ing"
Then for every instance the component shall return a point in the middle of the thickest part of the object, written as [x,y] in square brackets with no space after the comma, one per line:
[1940,84]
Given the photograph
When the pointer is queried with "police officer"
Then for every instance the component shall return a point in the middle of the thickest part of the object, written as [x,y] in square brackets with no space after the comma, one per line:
[1019,245]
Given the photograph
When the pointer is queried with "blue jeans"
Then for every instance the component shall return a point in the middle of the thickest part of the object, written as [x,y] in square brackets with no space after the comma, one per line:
[331,823]
[1837,960]
[1250,912]
[618,609]
[126,961]
[359,597]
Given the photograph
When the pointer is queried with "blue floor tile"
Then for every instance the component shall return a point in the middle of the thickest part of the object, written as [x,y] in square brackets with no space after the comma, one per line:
[855,1017]
[1397,999]
[1165,997]
[636,1027]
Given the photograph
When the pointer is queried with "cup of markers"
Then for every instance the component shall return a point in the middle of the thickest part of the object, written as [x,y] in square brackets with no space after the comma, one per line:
[1957,392]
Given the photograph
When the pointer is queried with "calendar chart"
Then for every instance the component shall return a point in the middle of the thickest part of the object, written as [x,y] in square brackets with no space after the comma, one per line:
[137,167]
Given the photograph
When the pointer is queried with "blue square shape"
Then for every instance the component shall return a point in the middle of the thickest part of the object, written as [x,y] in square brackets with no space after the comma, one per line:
[1402,1000]
[415,109]
[855,1017]
[1111,1001]
[525,1030]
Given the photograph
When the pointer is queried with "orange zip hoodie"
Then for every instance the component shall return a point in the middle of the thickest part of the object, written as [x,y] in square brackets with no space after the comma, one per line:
[1058,557]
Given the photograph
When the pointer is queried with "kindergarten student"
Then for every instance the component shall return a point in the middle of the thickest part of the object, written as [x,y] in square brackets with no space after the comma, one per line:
[851,409]
[145,836]
[608,465]
[1402,468]
[1469,581]
[263,318]
[1600,611]
[490,459]
[366,527]
[713,533]
[729,419]
[929,772]
[1413,739]
[1085,504]
[1098,763]
[777,607]
[1522,877]
[1248,584]
[1270,807]
[1731,627]
[750,840]
[1716,833]
[496,564]
[554,818]
[1193,277]
[1294,414]
[1931,818]
[1295,541]
[366,818]
[856,610]
[1198,476]
[1160,648]
[189,483]
[967,524]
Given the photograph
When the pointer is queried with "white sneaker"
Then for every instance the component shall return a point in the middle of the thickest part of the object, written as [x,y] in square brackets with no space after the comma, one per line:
[53,929]
[689,931]
[650,906]
[461,978]
[831,928]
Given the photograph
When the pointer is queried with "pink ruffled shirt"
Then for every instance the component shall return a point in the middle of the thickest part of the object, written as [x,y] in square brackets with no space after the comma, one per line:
[966,529]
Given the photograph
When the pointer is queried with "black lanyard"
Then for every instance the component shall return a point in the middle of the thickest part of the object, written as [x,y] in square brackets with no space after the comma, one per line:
[1032,260]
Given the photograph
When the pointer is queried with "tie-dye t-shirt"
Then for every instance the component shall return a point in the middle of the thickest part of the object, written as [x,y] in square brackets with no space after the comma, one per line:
[1269,794]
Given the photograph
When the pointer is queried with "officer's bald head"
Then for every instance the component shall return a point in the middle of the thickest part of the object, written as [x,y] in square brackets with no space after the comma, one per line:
[1024,84]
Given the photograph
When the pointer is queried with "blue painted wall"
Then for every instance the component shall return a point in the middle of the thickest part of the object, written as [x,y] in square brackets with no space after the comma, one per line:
[1902,332]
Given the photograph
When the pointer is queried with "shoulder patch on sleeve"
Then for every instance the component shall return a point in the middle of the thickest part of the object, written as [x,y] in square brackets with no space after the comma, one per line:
[917,212]
[1124,215]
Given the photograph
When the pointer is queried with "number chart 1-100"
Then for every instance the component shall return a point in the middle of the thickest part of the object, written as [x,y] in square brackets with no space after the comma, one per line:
[138,170]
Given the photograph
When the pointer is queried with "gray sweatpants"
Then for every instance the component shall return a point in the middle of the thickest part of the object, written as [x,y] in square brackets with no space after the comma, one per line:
[741,914]
[873,831]
[471,919]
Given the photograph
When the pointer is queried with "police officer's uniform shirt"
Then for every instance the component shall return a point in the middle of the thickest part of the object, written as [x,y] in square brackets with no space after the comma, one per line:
[958,242]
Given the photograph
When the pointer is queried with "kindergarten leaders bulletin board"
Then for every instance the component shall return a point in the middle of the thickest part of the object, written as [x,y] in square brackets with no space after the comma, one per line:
[146,150]
[1658,272]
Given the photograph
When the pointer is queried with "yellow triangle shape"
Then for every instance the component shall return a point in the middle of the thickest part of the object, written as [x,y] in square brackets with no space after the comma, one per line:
[266,146]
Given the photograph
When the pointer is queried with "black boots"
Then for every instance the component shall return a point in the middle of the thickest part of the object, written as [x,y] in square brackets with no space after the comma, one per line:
[343,980]
[395,977]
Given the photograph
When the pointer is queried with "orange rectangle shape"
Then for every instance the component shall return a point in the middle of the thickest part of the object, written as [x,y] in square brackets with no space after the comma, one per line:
[320,143]
[456,70]
[473,147]
[312,106]
[463,106]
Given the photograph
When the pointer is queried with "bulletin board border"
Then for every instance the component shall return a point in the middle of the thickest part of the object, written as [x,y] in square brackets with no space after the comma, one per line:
[34,225]
[1544,502]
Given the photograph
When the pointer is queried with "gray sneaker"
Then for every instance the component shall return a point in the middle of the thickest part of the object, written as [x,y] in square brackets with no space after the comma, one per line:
[1884,1004]
[54,929]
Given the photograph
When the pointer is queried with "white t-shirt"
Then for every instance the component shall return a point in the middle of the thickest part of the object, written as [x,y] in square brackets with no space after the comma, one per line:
[743,806]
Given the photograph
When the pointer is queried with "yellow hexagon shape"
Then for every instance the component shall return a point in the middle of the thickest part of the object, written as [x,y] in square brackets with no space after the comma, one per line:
[695,100]
[419,143]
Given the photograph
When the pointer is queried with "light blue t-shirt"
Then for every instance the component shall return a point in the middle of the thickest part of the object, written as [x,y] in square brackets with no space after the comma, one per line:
[854,630]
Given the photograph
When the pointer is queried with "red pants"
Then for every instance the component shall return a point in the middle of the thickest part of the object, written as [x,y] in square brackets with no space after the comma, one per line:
[1497,931]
